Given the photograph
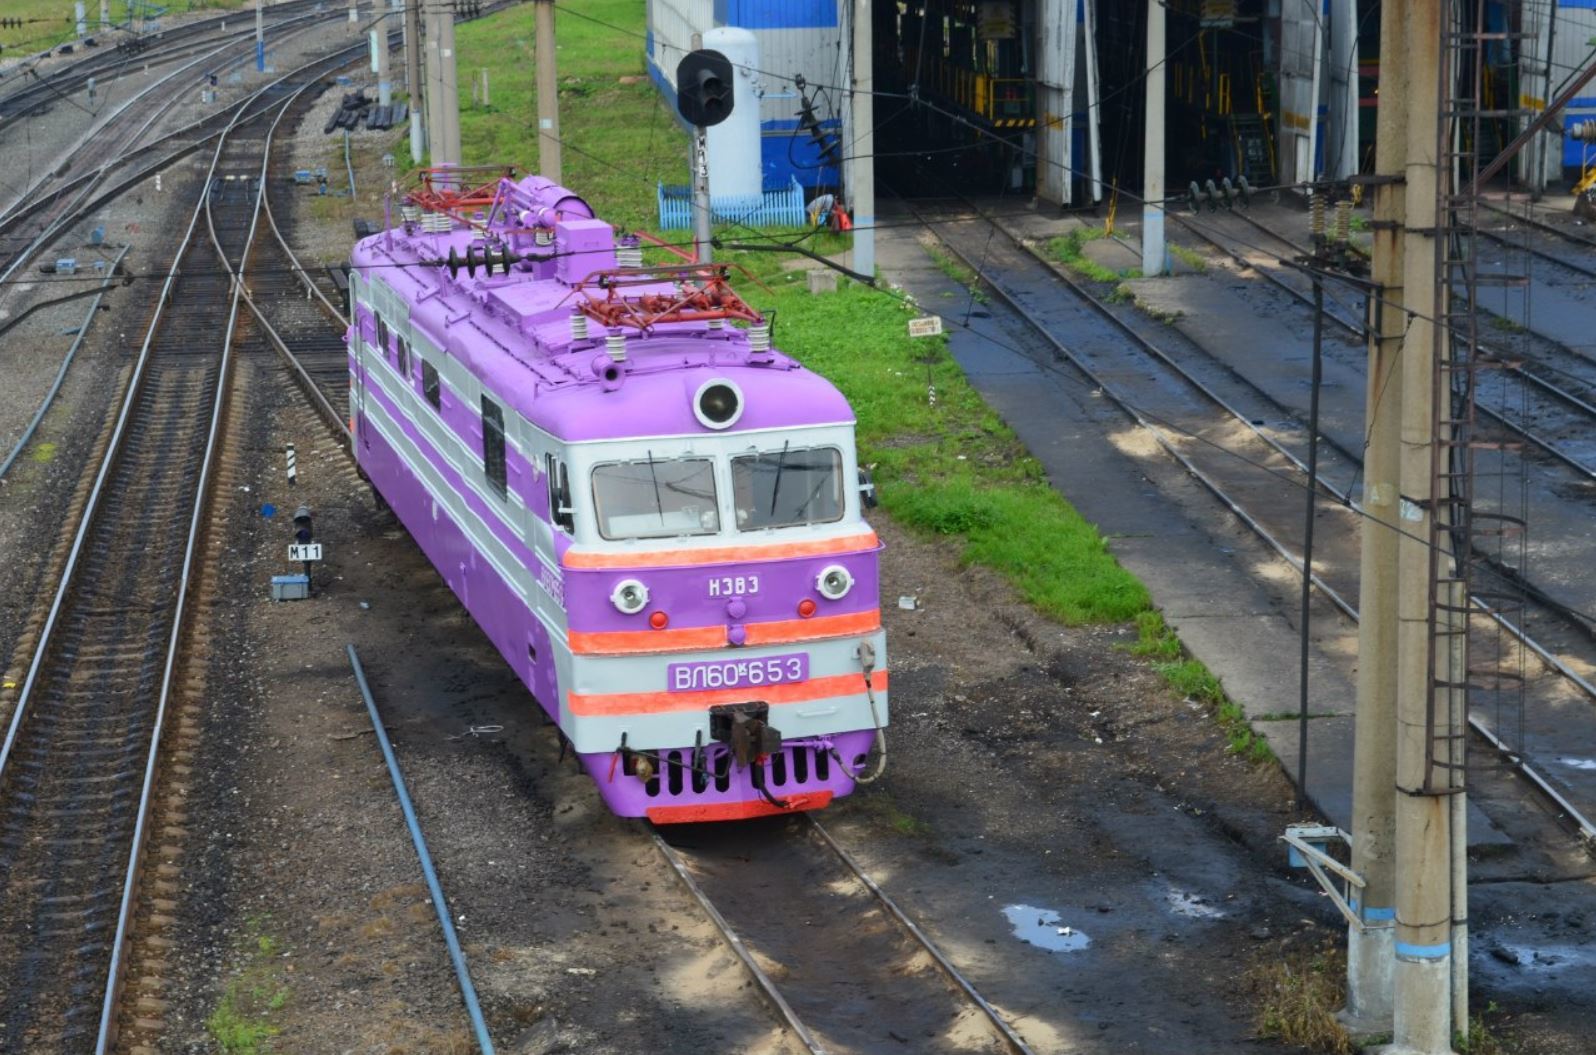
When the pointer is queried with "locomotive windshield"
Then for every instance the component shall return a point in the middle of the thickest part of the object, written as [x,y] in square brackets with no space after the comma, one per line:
[656,498]
[787,488]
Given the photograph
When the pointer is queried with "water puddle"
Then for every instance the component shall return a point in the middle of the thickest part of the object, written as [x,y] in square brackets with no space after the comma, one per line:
[1041,927]
[1192,906]
[1542,957]
[1579,763]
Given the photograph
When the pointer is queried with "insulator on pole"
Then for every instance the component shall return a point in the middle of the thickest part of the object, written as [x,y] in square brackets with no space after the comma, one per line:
[1343,224]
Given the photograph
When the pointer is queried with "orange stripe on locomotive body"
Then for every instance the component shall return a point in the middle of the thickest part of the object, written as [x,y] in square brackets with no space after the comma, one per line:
[621,704]
[689,638]
[784,631]
[737,811]
[674,558]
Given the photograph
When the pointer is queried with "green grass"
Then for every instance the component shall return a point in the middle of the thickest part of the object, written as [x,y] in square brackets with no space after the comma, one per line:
[1189,677]
[50,22]
[241,1023]
[1190,257]
[1070,250]
[951,467]
[619,139]
[955,269]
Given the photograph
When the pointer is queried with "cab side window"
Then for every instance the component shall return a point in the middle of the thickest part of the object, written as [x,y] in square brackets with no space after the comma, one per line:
[493,462]
[559,494]
[431,387]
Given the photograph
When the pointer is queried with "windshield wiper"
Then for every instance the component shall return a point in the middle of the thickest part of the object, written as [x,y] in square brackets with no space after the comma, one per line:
[781,463]
[824,480]
[659,503]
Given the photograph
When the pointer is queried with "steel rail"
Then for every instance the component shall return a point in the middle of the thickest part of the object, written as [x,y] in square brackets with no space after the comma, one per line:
[66,362]
[1360,332]
[95,131]
[1541,225]
[98,128]
[1500,237]
[952,973]
[91,509]
[440,905]
[1585,824]
[312,390]
[735,942]
[87,180]
[97,63]
[113,985]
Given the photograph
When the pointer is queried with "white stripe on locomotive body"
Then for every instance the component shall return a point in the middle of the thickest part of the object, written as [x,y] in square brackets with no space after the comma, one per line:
[604,674]
[623,674]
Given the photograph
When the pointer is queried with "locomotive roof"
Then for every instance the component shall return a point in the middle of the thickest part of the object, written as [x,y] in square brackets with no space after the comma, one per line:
[514,331]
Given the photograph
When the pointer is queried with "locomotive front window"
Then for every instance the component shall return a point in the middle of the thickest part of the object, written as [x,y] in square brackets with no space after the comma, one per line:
[788,487]
[656,498]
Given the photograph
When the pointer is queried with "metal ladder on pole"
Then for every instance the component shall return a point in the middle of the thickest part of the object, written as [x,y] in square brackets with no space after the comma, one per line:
[1477,536]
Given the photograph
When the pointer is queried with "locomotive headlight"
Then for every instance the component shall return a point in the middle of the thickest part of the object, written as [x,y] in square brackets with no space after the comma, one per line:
[834,583]
[629,596]
[718,404]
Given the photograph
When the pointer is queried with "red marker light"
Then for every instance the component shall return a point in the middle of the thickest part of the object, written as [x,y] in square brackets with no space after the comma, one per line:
[806,608]
[659,620]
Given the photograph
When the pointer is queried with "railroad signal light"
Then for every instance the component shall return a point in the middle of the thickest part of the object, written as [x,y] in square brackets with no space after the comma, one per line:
[304,529]
[704,88]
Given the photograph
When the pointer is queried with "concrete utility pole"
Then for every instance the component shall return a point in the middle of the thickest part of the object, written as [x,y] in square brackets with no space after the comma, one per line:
[354,16]
[412,27]
[450,88]
[81,14]
[260,36]
[379,61]
[105,15]
[418,136]
[1422,1019]
[549,161]
[862,187]
[1153,251]
[1371,950]
[434,78]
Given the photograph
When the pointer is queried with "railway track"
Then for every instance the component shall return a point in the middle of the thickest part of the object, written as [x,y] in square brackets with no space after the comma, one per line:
[856,973]
[129,52]
[79,762]
[304,324]
[1211,419]
[41,218]
[1560,381]
[129,122]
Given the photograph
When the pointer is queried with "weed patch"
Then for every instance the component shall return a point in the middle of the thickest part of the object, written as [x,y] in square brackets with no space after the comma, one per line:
[1295,999]
[1070,250]
[955,269]
[241,1023]
[1190,257]
[1190,678]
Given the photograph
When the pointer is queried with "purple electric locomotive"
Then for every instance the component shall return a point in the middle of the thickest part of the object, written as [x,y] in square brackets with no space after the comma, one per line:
[654,515]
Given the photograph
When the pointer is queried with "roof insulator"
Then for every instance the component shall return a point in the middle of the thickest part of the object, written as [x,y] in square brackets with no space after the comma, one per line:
[578,326]
[759,337]
[615,344]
